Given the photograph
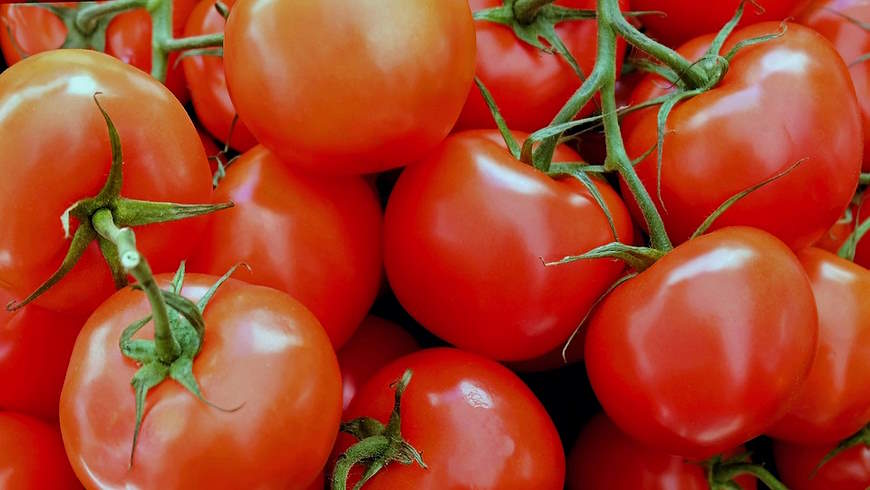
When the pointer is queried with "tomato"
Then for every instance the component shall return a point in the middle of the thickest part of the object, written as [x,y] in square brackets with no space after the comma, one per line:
[837,235]
[31,455]
[862,255]
[35,346]
[765,116]
[851,42]
[848,471]
[208,84]
[375,343]
[529,85]
[476,424]
[47,112]
[375,84]
[686,19]
[317,238]
[261,348]
[834,402]
[604,457]
[128,37]
[705,349]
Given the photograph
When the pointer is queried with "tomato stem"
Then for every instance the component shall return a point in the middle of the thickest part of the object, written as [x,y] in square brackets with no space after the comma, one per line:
[194,42]
[161,33]
[731,471]
[88,17]
[526,10]
[865,179]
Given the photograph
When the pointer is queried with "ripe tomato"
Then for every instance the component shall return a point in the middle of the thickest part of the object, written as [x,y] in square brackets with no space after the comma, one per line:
[465,231]
[476,424]
[605,458]
[851,42]
[31,455]
[35,346]
[763,117]
[375,84]
[705,349]
[128,37]
[834,402]
[850,470]
[529,85]
[686,19]
[375,344]
[836,236]
[47,107]
[208,84]
[320,241]
[261,348]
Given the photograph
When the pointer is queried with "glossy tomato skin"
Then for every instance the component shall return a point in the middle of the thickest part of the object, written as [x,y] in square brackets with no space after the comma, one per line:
[370,91]
[848,471]
[261,348]
[528,84]
[705,349]
[47,107]
[35,346]
[208,84]
[686,19]
[31,455]
[603,457]
[765,116]
[375,344]
[834,402]
[477,425]
[320,243]
[465,233]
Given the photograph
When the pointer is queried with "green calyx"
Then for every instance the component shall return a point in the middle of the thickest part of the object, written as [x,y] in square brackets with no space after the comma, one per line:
[721,473]
[123,212]
[379,445]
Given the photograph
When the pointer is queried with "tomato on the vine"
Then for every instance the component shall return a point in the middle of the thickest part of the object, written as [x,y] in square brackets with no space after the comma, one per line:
[850,470]
[32,456]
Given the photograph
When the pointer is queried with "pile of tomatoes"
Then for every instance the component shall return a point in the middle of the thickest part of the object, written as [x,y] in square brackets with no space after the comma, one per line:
[331,249]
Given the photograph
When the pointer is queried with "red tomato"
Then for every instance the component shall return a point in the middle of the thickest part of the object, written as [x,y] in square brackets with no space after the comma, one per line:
[605,458]
[834,402]
[261,348]
[376,343]
[705,349]
[529,85]
[476,424]
[46,107]
[208,84]
[31,455]
[375,84]
[128,37]
[35,346]
[317,238]
[836,235]
[764,117]
[464,236]
[848,471]
[686,19]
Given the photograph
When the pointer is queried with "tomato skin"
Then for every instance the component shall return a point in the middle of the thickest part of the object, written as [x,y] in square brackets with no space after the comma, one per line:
[604,457]
[456,219]
[47,106]
[35,346]
[375,344]
[475,422]
[724,141]
[261,347]
[529,85]
[323,238]
[707,337]
[850,470]
[405,74]
[208,84]
[31,455]
[833,402]
[686,19]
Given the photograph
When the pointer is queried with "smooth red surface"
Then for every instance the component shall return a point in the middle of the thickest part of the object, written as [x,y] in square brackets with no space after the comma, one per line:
[261,348]
[476,424]
[466,233]
[848,471]
[317,238]
[705,349]
[31,455]
[56,152]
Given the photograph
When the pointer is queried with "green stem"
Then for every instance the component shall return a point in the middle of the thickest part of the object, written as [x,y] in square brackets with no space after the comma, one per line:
[168,349]
[526,10]
[87,17]
[194,42]
[161,34]
[865,179]
[732,471]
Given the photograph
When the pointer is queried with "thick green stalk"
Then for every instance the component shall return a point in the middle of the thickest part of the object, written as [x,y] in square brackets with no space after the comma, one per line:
[87,17]
[526,10]
[194,42]
[161,32]
[732,471]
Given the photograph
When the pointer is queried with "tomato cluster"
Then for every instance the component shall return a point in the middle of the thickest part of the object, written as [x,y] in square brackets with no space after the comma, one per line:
[435,244]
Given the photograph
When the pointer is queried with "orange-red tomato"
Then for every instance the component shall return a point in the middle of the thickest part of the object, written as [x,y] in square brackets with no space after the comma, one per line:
[850,470]
[31,455]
